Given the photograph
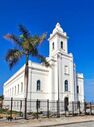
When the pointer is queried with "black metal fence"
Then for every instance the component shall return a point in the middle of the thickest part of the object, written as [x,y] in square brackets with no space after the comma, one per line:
[16,109]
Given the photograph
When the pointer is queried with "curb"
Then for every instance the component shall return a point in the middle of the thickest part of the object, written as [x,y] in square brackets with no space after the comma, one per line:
[64,123]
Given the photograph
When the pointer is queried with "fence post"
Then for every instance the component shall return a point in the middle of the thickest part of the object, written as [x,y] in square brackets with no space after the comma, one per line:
[1,104]
[25,108]
[73,108]
[65,110]
[58,109]
[20,107]
[79,107]
[48,108]
[11,108]
[85,107]
[90,109]
[37,109]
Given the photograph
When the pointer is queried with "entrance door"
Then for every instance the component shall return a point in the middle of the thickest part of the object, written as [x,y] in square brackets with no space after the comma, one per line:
[66,103]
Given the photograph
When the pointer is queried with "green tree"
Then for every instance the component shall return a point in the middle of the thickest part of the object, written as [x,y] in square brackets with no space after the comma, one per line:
[26,45]
[1,97]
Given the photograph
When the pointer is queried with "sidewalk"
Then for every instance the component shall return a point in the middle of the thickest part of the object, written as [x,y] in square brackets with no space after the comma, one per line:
[45,122]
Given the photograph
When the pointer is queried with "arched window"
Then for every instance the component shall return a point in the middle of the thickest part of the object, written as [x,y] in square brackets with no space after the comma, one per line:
[38,85]
[18,88]
[15,90]
[21,87]
[53,45]
[62,44]
[77,89]
[66,85]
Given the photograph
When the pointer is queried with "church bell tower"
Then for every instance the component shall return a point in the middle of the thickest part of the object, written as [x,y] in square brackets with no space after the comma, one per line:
[58,41]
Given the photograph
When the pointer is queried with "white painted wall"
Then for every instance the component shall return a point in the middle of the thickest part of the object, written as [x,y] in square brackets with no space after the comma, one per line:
[38,72]
[11,86]
[80,83]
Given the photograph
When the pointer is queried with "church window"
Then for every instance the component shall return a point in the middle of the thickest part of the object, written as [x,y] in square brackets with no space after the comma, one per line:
[18,88]
[62,44]
[38,85]
[66,85]
[21,86]
[77,89]
[15,90]
[53,45]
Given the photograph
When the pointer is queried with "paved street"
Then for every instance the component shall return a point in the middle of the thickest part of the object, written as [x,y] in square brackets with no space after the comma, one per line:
[86,124]
[82,121]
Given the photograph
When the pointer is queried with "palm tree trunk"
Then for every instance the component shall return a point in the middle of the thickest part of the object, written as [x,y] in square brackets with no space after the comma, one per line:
[26,79]
[26,85]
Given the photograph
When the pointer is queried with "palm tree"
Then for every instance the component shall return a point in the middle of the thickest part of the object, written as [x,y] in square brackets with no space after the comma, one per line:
[27,45]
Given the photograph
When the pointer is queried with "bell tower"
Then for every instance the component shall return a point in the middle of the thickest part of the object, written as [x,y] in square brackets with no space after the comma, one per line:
[58,41]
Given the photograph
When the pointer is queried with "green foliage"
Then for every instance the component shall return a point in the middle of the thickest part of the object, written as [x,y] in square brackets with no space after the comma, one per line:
[26,44]
[13,56]
[8,112]
[1,97]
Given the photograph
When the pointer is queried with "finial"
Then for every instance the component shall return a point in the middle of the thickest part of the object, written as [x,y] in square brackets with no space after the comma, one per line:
[57,25]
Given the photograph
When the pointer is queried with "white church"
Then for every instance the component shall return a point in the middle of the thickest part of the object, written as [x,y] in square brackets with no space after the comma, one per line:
[59,81]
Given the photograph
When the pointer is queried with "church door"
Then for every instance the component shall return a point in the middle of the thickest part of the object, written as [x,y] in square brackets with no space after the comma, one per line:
[66,103]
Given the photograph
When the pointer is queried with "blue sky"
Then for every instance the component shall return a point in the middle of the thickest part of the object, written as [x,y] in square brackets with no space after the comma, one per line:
[75,16]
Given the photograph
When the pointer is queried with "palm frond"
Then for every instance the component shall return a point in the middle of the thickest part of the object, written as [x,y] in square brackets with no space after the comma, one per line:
[24,31]
[12,57]
[29,46]
[13,38]
[43,37]
[33,51]
[25,45]
[36,40]
[43,60]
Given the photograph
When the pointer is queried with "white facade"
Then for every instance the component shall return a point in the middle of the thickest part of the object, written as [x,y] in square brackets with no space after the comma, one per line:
[58,81]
